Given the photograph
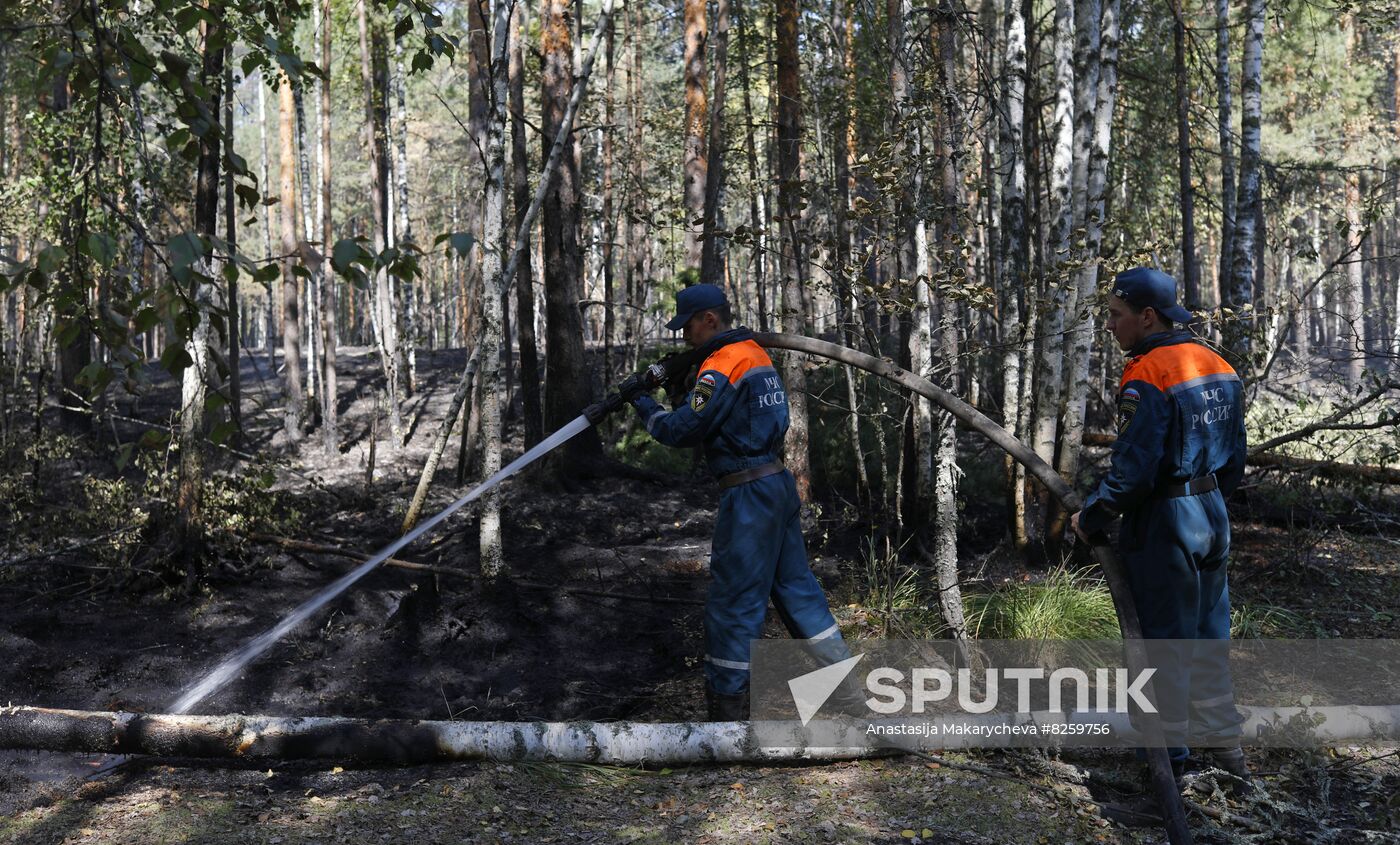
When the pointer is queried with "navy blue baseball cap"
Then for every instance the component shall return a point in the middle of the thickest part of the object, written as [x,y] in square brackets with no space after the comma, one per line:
[1144,287]
[694,299]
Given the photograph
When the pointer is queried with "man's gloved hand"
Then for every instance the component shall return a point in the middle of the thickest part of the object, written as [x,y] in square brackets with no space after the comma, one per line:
[599,411]
[635,385]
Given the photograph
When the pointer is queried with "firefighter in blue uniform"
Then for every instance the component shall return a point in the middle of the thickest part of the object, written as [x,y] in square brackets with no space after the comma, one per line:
[1180,452]
[738,413]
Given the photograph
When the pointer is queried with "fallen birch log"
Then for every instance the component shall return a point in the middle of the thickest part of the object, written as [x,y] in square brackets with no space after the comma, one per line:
[399,741]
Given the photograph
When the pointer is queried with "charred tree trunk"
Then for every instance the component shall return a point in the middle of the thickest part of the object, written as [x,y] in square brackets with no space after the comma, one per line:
[568,386]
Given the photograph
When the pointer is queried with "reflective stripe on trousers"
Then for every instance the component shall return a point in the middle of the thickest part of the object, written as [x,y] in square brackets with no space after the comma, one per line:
[759,553]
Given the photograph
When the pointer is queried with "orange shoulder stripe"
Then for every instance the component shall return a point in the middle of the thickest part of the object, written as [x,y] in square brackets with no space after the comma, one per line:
[1167,366]
[736,359]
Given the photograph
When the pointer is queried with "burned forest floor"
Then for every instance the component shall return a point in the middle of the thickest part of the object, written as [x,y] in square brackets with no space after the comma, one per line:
[598,618]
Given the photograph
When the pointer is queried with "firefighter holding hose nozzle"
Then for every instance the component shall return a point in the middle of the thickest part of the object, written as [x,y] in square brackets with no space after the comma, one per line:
[1180,451]
[737,412]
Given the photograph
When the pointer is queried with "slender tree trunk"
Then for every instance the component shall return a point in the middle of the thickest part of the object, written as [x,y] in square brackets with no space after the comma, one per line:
[1088,16]
[756,189]
[478,55]
[524,281]
[306,287]
[945,459]
[403,229]
[385,315]
[1050,366]
[189,533]
[1015,243]
[843,156]
[609,221]
[1190,268]
[235,325]
[1243,263]
[1350,346]
[291,308]
[789,126]
[1077,366]
[695,125]
[271,333]
[1352,313]
[1224,109]
[568,386]
[843,24]
[712,253]
[911,250]
[329,413]
[492,559]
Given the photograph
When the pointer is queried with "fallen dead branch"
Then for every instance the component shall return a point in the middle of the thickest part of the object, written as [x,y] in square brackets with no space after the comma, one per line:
[1321,469]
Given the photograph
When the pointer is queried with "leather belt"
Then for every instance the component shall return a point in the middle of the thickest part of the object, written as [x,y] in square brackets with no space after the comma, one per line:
[1194,487]
[734,479]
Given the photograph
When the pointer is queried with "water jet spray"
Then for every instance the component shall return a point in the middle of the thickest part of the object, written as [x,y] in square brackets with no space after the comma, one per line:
[229,668]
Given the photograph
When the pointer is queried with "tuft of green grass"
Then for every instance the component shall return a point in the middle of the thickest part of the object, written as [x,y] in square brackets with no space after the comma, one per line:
[889,584]
[1260,621]
[1071,604]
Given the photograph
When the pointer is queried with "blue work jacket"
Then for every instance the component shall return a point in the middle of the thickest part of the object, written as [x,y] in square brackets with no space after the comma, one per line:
[737,410]
[1180,417]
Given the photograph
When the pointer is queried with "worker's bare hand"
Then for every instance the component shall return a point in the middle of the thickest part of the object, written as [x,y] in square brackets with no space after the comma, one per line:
[1074,523]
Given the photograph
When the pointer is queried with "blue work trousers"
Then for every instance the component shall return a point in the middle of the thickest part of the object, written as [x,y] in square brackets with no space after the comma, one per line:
[758,552]
[1174,553]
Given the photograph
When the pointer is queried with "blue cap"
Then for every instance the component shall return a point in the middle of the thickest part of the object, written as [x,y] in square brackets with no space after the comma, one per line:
[1144,287]
[695,298]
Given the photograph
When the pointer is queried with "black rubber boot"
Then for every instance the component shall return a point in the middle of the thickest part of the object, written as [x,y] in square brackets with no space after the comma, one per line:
[723,707]
[1231,760]
[848,699]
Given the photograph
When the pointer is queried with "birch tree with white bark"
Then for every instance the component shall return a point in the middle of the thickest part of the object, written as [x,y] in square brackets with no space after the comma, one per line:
[1243,266]
[1096,181]
[1049,373]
